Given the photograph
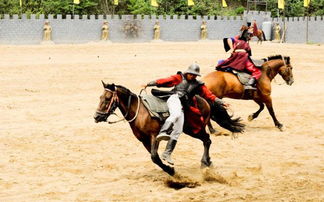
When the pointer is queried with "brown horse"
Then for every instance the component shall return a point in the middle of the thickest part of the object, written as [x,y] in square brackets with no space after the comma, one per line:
[225,84]
[260,34]
[145,127]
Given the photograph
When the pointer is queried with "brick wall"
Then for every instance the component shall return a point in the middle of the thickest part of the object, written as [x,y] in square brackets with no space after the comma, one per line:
[82,29]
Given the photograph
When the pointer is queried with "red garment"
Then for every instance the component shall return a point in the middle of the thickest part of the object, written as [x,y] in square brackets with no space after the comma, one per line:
[256,72]
[193,118]
[255,29]
[240,60]
[176,79]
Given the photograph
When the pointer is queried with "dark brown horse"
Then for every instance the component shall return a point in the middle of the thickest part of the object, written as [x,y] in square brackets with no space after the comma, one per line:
[260,34]
[144,127]
[225,84]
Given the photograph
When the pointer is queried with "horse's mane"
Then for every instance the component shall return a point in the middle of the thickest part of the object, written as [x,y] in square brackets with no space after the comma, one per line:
[125,90]
[276,57]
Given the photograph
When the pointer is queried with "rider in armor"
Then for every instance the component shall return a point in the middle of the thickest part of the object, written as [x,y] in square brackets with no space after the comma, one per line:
[186,86]
[240,57]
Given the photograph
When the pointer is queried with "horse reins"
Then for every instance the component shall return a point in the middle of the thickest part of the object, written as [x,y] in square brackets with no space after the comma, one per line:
[285,64]
[112,107]
[284,61]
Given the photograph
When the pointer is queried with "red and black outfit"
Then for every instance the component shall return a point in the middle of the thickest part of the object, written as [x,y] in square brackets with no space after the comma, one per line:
[186,90]
[240,58]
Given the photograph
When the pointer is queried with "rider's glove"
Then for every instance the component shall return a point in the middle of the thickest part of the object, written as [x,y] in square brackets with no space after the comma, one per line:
[219,101]
[152,83]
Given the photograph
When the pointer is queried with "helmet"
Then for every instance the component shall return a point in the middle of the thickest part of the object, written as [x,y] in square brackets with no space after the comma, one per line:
[193,69]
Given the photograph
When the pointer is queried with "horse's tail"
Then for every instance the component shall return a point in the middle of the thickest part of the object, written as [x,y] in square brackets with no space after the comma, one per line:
[264,38]
[221,117]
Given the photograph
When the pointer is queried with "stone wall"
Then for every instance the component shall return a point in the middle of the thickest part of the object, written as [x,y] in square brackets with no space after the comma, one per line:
[82,29]
[296,29]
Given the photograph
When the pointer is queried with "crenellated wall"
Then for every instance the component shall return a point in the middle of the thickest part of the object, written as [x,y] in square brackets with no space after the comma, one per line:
[82,29]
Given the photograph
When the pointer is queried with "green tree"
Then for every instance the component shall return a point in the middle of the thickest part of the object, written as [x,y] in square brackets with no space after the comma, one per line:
[142,7]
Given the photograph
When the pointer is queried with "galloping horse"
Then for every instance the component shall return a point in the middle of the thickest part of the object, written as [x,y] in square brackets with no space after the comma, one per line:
[146,128]
[225,84]
[260,34]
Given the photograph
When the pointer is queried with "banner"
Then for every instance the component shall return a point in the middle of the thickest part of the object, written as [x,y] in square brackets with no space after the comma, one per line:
[154,3]
[281,4]
[224,4]
[76,1]
[191,3]
[306,3]
[116,2]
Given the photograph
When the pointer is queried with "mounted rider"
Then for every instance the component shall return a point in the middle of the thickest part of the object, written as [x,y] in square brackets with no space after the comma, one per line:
[181,101]
[240,57]
[254,28]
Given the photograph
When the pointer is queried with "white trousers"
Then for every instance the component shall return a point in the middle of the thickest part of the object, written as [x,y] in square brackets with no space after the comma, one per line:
[176,116]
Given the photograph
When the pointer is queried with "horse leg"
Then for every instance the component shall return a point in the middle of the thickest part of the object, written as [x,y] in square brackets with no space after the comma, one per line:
[272,113]
[256,114]
[156,159]
[205,160]
[211,128]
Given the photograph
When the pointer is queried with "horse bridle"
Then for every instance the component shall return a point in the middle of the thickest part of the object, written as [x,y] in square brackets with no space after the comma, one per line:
[113,104]
[285,64]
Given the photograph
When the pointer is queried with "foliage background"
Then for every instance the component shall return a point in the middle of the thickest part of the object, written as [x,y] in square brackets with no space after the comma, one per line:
[293,8]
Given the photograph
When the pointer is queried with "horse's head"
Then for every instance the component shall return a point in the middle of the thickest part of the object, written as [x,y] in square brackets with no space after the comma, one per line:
[286,71]
[107,104]
[244,27]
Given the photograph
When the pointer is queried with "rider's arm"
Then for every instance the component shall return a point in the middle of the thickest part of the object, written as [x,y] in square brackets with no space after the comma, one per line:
[208,95]
[230,43]
[166,82]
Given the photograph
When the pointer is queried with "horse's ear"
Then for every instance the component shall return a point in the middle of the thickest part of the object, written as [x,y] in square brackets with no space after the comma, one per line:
[103,83]
[111,86]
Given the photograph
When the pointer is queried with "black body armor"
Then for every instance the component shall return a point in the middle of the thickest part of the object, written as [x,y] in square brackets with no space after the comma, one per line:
[186,90]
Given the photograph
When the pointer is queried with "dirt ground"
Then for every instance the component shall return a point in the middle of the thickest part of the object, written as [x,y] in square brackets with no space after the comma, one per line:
[51,149]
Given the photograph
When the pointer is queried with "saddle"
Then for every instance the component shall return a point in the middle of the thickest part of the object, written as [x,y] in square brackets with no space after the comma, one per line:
[156,106]
[244,76]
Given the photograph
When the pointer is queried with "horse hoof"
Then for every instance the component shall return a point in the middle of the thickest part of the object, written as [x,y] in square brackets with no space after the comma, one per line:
[170,171]
[250,117]
[206,165]
[280,127]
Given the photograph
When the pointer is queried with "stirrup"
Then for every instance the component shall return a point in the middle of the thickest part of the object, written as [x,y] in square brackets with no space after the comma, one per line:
[162,136]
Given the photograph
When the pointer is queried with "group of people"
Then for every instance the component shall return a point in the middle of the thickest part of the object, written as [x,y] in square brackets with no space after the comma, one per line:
[186,86]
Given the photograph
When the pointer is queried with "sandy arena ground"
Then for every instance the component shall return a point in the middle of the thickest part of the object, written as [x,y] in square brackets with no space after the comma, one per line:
[51,149]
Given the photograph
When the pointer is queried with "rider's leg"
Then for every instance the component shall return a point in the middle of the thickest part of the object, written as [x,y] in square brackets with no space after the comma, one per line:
[168,150]
[177,130]
[175,109]
[256,74]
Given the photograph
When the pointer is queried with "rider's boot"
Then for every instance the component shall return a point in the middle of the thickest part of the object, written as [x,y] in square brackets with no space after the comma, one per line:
[165,131]
[251,84]
[166,156]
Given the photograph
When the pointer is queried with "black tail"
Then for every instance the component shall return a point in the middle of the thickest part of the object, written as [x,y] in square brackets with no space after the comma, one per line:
[222,118]
[264,38]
